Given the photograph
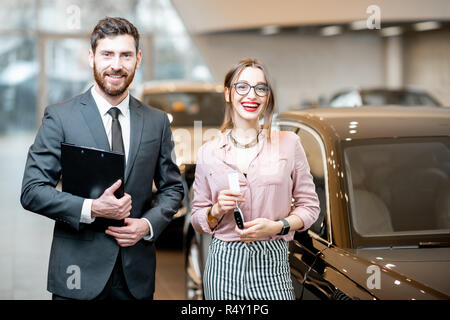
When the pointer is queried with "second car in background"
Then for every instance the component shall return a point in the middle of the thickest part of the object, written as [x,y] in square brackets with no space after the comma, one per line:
[195,111]
[375,97]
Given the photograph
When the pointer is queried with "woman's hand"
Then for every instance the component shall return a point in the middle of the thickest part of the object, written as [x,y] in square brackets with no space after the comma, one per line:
[258,229]
[226,202]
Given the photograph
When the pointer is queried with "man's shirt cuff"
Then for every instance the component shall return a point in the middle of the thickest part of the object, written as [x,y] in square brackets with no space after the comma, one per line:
[86,212]
[150,235]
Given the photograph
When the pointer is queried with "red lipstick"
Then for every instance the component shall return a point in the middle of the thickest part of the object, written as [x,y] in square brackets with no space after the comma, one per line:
[250,106]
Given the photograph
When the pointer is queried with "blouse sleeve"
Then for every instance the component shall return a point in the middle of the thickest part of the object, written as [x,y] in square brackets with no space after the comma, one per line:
[306,201]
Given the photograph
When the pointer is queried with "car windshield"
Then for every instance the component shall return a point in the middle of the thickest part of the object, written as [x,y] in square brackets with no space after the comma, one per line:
[399,187]
[402,98]
[184,108]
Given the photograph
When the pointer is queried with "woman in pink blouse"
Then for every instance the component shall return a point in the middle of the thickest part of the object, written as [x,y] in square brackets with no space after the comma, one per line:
[251,263]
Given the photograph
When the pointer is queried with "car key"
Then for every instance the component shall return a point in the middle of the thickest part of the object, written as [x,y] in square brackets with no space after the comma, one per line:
[233,180]
[238,217]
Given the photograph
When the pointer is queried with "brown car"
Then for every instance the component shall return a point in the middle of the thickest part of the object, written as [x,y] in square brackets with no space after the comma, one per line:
[383,179]
[382,175]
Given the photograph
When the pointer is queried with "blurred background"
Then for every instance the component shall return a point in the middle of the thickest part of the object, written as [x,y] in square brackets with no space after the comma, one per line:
[313,49]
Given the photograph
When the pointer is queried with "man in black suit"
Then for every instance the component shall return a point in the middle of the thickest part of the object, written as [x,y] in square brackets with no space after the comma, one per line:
[86,261]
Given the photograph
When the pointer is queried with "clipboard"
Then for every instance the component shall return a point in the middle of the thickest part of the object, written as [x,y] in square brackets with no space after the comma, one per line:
[88,172]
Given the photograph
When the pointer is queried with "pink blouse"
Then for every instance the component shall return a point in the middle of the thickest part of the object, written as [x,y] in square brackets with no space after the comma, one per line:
[278,174]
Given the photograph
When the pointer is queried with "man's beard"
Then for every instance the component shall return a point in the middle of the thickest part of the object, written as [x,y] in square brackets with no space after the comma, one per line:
[105,87]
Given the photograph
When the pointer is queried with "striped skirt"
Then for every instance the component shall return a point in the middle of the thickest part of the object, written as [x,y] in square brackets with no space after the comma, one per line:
[248,271]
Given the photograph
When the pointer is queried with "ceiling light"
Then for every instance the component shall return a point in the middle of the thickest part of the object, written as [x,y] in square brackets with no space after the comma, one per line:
[391,31]
[426,26]
[331,31]
[358,25]
[270,30]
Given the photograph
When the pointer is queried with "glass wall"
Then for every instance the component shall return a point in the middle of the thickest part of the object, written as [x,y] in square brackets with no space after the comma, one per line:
[18,82]
[66,79]
[45,43]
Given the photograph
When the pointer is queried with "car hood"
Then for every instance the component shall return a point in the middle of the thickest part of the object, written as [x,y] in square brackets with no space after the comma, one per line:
[428,266]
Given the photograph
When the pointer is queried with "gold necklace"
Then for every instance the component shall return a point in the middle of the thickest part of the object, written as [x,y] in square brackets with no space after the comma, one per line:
[244,146]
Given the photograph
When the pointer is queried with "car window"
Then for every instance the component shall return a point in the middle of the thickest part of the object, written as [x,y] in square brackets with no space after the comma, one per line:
[183,108]
[399,187]
[426,100]
[373,99]
[316,161]
[348,99]
[402,98]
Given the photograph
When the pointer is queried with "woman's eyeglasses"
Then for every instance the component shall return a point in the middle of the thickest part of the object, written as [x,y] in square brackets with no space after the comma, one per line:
[243,88]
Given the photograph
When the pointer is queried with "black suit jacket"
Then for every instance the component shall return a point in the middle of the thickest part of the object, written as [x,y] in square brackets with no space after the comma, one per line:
[78,247]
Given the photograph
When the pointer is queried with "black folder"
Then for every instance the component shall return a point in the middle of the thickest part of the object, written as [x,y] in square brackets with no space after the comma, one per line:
[88,172]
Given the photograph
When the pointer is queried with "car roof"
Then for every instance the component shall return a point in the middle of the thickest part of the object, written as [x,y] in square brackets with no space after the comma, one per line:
[381,89]
[375,122]
[398,90]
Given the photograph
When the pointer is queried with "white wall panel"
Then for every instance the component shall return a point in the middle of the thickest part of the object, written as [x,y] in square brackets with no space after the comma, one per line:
[427,62]
[303,67]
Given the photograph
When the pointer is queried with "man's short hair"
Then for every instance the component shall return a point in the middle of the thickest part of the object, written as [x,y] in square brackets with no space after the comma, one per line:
[109,27]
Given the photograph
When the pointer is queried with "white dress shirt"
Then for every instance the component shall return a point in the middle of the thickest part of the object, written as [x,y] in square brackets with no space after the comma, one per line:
[124,119]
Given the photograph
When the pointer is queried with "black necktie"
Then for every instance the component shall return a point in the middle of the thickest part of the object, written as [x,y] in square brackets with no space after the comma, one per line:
[116,131]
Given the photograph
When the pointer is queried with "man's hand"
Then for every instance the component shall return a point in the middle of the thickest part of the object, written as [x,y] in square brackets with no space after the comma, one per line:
[109,207]
[133,231]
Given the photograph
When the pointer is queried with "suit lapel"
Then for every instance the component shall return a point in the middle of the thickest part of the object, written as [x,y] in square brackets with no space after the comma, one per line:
[136,126]
[94,120]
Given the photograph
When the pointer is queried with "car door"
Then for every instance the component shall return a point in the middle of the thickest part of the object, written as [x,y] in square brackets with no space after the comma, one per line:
[312,253]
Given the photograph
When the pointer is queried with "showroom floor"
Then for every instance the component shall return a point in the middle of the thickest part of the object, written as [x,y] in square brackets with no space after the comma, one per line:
[169,275]
[25,238]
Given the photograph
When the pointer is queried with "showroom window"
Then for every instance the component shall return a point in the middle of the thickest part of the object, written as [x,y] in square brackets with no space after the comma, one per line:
[44,53]
[18,82]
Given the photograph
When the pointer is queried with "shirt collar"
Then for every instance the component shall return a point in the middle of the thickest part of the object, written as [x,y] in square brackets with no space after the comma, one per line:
[104,106]
[224,140]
